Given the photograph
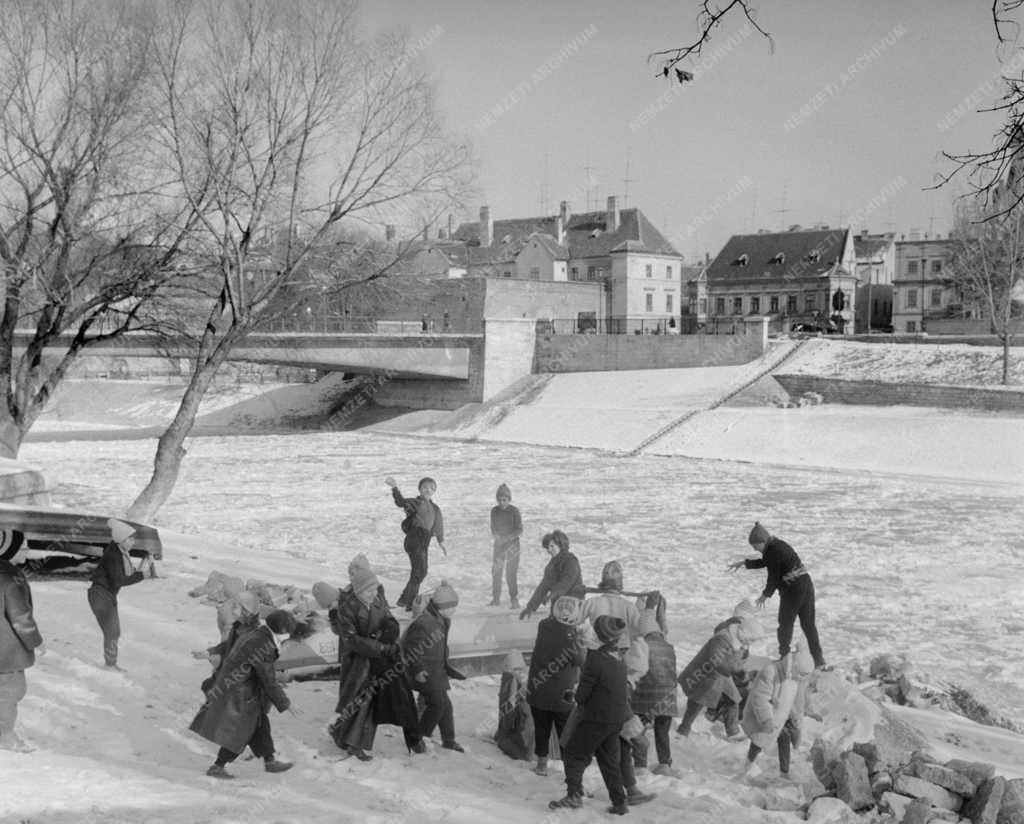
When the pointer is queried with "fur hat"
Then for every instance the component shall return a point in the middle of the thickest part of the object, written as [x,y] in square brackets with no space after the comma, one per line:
[611,576]
[119,530]
[249,602]
[649,622]
[608,628]
[556,537]
[325,594]
[749,629]
[503,492]
[444,596]
[744,608]
[759,535]
[281,622]
[566,610]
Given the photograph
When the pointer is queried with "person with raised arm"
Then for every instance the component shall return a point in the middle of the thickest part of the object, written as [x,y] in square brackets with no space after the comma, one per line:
[423,521]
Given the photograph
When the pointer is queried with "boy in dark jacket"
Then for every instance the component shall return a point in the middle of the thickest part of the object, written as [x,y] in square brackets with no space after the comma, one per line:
[562,575]
[234,714]
[786,573]
[423,521]
[425,651]
[654,699]
[558,654]
[603,708]
[506,527]
[114,571]
[20,643]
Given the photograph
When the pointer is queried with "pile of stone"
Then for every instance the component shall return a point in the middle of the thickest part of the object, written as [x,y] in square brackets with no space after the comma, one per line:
[309,619]
[888,678]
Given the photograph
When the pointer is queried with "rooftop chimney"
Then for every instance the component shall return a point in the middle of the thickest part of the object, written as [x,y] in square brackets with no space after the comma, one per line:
[611,217]
[559,230]
[486,227]
[563,211]
[451,226]
[389,232]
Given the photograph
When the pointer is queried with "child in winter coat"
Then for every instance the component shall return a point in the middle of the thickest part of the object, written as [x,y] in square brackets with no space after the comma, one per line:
[554,672]
[506,527]
[562,574]
[514,736]
[423,521]
[709,676]
[425,650]
[611,601]
[636,659]
[602,709]
[775,708]
[655,697]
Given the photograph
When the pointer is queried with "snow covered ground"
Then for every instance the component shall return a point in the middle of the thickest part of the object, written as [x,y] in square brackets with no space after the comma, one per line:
[933,567]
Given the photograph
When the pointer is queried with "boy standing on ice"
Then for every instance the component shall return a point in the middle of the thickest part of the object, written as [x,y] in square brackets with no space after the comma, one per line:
[506,527]
[786,573]
[423,521]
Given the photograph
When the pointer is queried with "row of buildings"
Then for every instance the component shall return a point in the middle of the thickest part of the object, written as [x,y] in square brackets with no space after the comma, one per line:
[821,277]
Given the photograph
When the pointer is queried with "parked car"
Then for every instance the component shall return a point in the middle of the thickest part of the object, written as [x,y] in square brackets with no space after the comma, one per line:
[45,530]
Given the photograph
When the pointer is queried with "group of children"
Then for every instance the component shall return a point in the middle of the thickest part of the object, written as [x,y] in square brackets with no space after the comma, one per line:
[601,671]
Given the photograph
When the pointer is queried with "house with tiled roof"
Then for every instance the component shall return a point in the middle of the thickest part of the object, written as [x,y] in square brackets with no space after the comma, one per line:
[798,276]
[622,249]
[876,266]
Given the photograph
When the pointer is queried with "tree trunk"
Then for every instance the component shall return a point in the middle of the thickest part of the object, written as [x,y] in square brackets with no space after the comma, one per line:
[170,451]
[11,436]
[1006,359]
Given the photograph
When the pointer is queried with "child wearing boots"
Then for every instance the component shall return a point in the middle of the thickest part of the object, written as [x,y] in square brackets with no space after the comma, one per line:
[423,521]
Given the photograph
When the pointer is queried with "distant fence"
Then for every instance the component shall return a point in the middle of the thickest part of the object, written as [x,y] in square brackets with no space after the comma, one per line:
[626,325]
[344,324]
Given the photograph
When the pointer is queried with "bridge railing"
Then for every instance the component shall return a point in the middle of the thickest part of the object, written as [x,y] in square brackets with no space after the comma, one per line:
[346,324]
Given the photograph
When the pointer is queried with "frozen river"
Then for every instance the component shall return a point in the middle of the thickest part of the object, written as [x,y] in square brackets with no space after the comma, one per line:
[934,568]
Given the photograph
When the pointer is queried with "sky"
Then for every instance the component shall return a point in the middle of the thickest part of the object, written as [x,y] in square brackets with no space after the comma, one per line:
[731,151]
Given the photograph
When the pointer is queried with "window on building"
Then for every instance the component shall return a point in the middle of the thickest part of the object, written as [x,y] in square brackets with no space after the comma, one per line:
[719,306]
[591,273]
[575,273]
[755,305]
[534,273]
[809,303]
[743,260]
[600,272]
[791,304]
[936,296]
[668,304]
[507,273]
[649,270]
[737,306]
[911,326]
[668,273]
[874,308]
[911,298]
[911,267]
[779,257]
[773,304]
[649,302]
[936,267]
[702,305]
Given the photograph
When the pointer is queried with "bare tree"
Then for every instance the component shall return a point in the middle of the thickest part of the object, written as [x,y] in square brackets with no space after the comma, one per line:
[987,267]
[83,245]
[709,16]
[279,116]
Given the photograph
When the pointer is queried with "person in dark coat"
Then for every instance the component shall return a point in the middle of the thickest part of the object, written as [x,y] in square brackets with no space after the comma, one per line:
[709,675]
[425,651]
[393,701]
[234,714]
[558,654]
[562,574]
[423,521]
[247,610]
[603,707]
[506,527]
[787,574]
[654,699]
[358,621]
[20,642]
[114,571]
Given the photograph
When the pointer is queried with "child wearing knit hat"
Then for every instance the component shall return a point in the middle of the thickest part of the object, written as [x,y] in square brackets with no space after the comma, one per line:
[787,574]
[506,527]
